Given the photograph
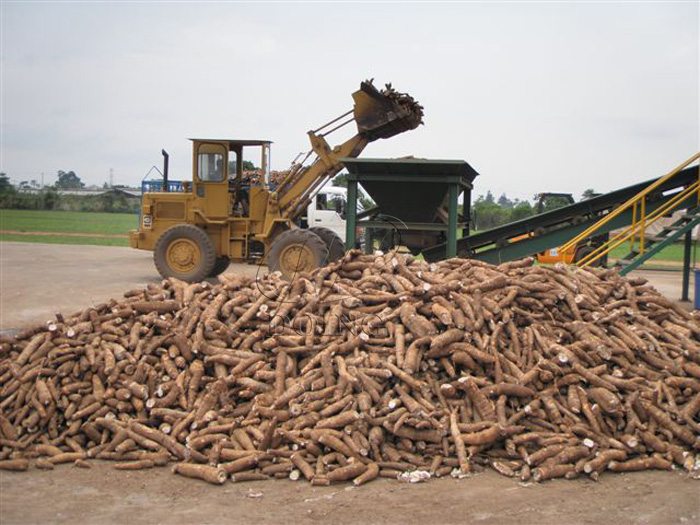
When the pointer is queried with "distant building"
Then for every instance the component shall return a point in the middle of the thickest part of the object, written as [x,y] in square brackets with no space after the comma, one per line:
[86,192]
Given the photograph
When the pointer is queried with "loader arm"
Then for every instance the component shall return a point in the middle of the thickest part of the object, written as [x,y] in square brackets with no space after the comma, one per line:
[377,114]
[294,200]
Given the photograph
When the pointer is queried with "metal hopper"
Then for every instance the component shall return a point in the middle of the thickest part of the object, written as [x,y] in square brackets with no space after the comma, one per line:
[417,199]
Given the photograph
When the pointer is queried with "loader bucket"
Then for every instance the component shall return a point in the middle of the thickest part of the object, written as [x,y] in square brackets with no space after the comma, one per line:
[383,114]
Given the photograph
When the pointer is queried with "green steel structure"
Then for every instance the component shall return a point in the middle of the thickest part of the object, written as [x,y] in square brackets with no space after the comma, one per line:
[417,207]
[671,234]
[541,232]
[417,201]
[668,235]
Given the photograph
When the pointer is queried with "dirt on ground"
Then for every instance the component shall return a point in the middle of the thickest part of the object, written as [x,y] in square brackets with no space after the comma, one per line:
[104,495]
[37,280]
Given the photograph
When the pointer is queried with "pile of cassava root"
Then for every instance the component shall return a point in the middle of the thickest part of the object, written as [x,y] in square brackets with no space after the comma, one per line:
[376,365]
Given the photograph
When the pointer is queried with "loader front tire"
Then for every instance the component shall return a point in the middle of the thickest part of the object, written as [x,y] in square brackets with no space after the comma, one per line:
[335,245]
[186,253]
[296,251]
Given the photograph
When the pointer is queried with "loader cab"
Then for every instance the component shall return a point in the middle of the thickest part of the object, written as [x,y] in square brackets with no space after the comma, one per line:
[219,181]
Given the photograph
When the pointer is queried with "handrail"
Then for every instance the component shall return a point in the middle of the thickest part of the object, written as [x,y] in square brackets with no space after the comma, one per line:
[624,207]
[638,226]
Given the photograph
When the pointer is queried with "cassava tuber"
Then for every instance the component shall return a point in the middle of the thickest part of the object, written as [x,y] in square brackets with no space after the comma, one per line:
[369,367]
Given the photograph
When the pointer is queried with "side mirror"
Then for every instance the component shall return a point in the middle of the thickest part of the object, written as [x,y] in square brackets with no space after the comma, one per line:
[338,206]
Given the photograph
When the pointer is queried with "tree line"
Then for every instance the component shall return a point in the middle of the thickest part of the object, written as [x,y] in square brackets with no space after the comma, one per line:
[50,199]
[488,212]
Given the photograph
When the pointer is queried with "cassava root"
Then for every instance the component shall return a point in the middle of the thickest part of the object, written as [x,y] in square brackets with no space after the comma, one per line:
[369,367]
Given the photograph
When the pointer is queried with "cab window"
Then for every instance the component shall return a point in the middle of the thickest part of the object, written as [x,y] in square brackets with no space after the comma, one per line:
[210,163]
[232,164]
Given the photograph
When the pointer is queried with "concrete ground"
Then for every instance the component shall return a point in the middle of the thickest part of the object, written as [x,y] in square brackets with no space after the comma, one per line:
[102,495]
[669,283]
[37,280]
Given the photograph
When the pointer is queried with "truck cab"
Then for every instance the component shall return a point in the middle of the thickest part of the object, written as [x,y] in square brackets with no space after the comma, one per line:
[327,209]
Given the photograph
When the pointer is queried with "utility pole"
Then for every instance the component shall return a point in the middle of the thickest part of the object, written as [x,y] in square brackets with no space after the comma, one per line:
[42,180]
[111,178]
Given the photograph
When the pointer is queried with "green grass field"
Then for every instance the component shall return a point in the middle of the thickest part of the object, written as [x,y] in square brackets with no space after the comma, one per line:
[110,229]
[67,221]
[107,229]
[673,253]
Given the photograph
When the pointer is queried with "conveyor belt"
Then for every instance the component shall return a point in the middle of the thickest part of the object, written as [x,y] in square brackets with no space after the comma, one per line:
[554,228]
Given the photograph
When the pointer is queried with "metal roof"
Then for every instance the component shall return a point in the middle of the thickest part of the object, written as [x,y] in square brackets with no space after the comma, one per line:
[410,167]
[411,190]
[237,142]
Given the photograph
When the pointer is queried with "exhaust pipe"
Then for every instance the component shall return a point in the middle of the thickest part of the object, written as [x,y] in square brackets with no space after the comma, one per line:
[166,158]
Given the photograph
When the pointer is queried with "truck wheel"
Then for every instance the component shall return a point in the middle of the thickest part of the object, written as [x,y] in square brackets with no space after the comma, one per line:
[186,253]
[335,245]
[296,251]
[220,266]
[584,251]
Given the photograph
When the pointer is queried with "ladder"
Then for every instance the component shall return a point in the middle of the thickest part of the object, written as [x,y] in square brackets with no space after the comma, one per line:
[643,217]
[655,243]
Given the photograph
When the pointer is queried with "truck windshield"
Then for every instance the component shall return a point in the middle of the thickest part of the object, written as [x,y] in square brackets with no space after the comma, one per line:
[338,204]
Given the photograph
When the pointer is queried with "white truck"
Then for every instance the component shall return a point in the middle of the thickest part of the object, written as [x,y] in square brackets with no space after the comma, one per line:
[327,209]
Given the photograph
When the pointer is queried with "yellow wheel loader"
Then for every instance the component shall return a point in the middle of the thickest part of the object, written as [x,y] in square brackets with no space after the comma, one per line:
[218,218]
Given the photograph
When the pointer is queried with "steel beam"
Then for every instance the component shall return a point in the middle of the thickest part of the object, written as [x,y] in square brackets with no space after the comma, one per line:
[351,215]
[686,264]
[452,221]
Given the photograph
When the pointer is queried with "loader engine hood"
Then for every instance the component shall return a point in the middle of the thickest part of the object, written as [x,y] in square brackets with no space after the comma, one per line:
[383,114]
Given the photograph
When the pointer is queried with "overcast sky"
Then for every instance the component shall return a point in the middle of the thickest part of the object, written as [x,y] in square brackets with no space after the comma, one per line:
[535,96]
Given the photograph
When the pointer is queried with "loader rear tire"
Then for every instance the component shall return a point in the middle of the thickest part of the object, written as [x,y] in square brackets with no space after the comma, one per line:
[297,251]
[222,263]
[335,245]
[186,253]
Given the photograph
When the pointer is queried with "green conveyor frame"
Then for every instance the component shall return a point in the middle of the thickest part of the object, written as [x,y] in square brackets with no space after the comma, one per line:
[538,233]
